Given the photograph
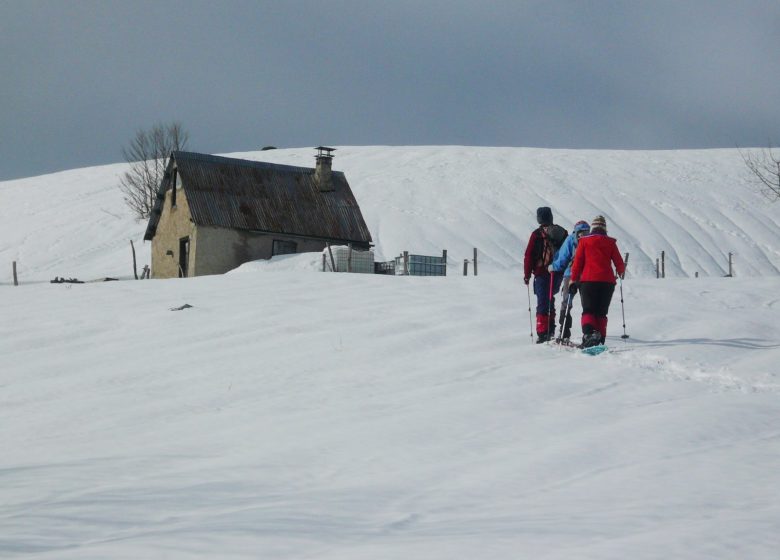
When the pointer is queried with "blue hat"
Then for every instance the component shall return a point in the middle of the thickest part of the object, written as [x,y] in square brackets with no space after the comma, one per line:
[582,225]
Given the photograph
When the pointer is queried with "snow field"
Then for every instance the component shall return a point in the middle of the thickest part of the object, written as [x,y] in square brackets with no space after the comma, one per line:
[295,414]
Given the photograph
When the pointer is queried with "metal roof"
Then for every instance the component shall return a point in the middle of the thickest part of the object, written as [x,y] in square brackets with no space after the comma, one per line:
[263,197]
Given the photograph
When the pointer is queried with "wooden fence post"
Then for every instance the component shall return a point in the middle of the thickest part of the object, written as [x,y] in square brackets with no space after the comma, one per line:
[465,267]
[323,262]
[332,260]
[657,268]
[731,269]
[475,261]
[135,269]
[444,258]
[16,280]
[663,264]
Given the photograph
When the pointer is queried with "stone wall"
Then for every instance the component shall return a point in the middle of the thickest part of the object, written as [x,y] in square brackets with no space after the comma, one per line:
[212,250]
[174,224]
[222,249]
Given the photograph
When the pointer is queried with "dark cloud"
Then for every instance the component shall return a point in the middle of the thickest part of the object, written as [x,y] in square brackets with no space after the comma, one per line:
[80,77]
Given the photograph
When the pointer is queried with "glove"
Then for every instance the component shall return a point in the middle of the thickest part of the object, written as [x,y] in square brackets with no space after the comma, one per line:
[526,279]
[573,288]
[550,268]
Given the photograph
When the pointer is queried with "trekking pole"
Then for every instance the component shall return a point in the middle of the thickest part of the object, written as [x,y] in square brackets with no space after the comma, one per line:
[530,320]
[564,313]
[622,307]
[561,321]
[551,310]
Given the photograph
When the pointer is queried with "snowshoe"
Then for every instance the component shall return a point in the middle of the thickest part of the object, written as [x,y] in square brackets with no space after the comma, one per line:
[594,350]
[592,339]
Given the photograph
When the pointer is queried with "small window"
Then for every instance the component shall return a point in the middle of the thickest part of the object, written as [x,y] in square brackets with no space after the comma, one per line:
[284,248]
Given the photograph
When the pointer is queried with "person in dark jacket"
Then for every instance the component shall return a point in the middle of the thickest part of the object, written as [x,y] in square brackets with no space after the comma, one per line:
[543,246]
[593,271]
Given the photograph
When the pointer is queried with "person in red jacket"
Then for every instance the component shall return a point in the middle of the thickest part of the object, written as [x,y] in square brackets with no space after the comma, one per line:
[592,270]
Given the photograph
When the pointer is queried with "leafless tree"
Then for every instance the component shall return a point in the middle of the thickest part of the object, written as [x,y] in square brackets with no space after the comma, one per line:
[765,168]
[147,155]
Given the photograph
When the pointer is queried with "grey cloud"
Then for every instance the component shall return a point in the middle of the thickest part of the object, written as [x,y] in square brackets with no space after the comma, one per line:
[80,77]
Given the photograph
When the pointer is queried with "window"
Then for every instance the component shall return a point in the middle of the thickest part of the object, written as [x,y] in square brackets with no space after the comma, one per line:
[284,248]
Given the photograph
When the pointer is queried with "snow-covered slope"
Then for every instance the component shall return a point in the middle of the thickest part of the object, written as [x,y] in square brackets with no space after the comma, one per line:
[697,206]
[295,414]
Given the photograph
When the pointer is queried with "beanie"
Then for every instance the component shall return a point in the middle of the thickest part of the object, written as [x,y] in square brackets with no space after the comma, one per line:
[544,216]
[599,222]
[582,225]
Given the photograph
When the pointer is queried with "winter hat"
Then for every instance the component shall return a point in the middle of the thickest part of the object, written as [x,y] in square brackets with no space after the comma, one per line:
[544,216]
[599,222]
[582,225]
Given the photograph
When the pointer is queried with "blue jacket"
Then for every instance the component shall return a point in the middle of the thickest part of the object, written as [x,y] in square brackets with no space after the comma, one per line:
[565,255]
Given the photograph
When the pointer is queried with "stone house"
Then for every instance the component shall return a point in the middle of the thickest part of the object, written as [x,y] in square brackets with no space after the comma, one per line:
[214,213]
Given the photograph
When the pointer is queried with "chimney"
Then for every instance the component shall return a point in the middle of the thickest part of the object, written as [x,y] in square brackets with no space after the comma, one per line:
[322,173]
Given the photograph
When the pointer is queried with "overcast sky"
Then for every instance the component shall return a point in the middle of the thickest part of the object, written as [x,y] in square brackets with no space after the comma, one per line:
[79,78]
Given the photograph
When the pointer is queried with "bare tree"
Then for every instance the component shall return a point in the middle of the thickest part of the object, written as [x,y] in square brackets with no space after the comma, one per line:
[765,168]
[147,155]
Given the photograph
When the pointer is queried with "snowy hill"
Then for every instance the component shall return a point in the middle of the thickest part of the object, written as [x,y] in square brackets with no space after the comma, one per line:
[294,414]
[697,206]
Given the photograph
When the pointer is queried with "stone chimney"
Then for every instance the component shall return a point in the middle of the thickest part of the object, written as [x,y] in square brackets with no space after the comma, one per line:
[322,173]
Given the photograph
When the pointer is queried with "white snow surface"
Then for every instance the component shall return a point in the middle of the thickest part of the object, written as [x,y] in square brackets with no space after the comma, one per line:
[291,413]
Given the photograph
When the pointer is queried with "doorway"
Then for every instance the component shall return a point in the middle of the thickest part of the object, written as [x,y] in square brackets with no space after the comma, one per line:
[184,256]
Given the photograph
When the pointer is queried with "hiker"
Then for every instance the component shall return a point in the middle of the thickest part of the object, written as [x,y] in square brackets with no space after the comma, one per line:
[563,262]
[539,254]
[592,271]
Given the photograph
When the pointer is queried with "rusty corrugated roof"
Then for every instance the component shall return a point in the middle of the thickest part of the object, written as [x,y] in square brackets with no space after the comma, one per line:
[265,197]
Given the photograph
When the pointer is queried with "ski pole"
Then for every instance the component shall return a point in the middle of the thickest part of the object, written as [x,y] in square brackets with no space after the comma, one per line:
[561,320]
[564,312]
[622,307]
[562,315]
[530,319]
[551,309]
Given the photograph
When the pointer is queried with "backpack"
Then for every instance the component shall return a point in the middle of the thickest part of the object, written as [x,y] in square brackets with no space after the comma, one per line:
[548,242]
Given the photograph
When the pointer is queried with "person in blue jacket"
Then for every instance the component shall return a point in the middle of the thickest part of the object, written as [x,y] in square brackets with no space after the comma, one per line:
[562,262]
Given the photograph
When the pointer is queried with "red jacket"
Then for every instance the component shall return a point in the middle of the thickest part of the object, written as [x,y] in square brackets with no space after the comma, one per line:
[529,264]
[596,253]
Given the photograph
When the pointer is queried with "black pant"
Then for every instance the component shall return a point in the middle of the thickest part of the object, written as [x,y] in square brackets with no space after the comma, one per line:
[595,297]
